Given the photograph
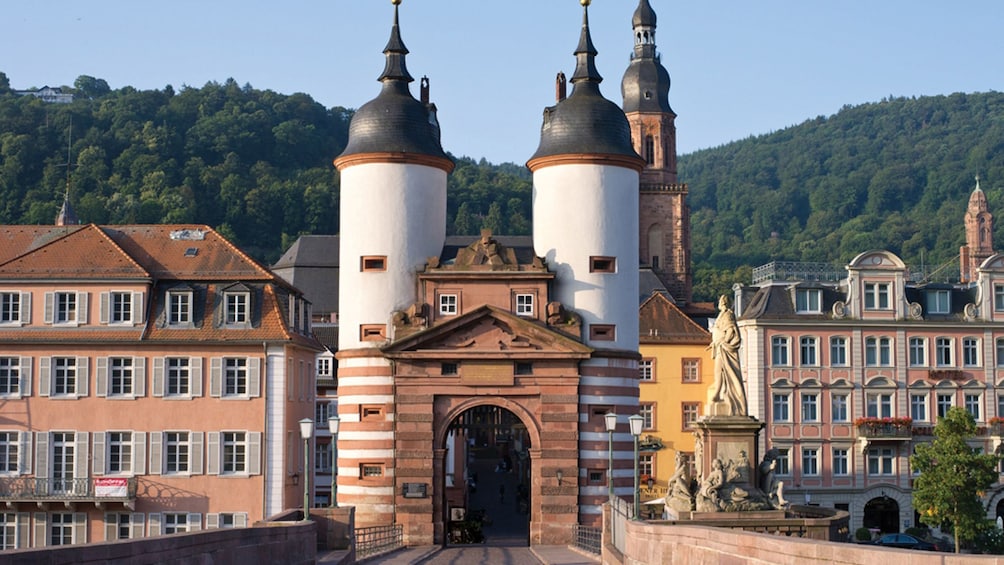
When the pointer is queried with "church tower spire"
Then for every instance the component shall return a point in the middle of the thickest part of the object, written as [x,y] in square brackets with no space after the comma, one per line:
[664,228]
[979,234]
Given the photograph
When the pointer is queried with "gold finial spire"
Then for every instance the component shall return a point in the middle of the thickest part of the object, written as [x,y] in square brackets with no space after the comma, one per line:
[395,2]
[585,3]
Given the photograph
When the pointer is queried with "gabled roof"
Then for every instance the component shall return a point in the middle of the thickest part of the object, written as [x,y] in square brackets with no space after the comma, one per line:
[18,240]
[488,332]
[310,251]
[661,321]
[86,253]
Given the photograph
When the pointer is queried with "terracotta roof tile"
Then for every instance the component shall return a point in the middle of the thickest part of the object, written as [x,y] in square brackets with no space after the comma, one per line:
[661,321]
[85,253]
[18,240]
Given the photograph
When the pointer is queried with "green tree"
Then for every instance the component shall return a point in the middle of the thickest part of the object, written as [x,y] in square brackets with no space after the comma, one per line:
[953,476]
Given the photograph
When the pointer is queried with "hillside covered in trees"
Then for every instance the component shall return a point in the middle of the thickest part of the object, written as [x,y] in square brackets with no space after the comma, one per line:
[256,165]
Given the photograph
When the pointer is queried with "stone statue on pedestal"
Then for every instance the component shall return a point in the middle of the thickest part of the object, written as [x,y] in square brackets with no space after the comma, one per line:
[726,396]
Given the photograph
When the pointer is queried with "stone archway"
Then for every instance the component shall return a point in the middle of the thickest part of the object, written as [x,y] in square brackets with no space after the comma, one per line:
[882,513]
[484,448]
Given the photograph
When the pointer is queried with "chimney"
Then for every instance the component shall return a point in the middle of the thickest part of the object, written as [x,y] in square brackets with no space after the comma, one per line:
[425,90]
[560,87]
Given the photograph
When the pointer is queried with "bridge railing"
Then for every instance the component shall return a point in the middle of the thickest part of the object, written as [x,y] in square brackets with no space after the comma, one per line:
[378,539]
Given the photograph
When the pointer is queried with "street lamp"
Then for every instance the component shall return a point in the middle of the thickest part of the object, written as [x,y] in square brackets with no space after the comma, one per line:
[611,422]
[636,423]
[333,422]
[306,431]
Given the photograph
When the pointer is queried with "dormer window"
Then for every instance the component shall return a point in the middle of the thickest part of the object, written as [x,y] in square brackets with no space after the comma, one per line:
[877,296]
[808,300]
[447,304]
[237,305]
[179,304]
[939,302]
[524,305]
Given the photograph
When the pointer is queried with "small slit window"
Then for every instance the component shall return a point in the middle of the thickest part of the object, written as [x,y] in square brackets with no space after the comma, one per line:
[371,412]
[370,470]
[372,332]
[373,263]
[602,332]
[447,304]
[602,264]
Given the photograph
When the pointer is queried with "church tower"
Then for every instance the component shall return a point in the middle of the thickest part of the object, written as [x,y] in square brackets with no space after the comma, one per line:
[979,234]
[664,218]
[585,225]
[393,218]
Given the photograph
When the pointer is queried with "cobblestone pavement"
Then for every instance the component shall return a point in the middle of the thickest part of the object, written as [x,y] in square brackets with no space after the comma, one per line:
[484,554]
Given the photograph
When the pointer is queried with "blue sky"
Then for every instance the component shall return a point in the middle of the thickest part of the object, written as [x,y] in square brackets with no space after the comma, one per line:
[738,67]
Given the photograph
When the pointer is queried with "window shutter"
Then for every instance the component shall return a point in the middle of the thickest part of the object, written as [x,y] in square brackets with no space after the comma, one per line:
[156,453]
[291,308]
[195,372]
[153,529]
[25,308]
[158,376]
[111,526]
[139,453]
[50,298]
[79,527]
[99,454]
[80,452]
[24,454]
[41,455]
[213,452]
[194,522]
[24,376]
[254,453]
[139,376]
[136,525]
[41,529]
[254,377]
[212,521]
[83,375]
[241,520]
[105,300]
[216,377]
[44,375]
[197,451]
[101,378]
[138,314]
[23,530]
[82,307]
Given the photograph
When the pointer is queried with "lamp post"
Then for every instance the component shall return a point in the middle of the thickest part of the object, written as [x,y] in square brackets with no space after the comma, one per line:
[333,422]
[636,423]
[306,431]
[611,423]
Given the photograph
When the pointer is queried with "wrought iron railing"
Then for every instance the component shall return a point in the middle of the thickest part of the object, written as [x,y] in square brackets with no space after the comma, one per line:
[887,431]
[587,538]
[378,539]
[33,489]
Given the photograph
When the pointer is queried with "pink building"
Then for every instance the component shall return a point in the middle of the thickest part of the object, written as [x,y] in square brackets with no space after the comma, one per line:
[151,380]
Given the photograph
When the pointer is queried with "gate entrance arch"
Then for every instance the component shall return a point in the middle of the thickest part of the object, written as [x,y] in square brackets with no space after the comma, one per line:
[882,513]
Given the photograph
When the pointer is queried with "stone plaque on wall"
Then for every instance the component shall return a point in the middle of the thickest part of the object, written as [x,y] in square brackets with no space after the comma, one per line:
[486,373]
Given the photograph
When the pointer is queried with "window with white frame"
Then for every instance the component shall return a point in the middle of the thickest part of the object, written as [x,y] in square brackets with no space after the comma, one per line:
[810,407]
[878,405]
[8,530]
[324,366]
[179,308]
[120,453]
[878,351]
[939,302]
[1000,405]
[235,454]
[943,351]
[780,411]
[691,413]
[876,296]
[691,370]
[61,528]
[225,520]
[647,413]
[120,307]
[881,461]
[1000,352]
[918,407]
[322,458]
[918,352]
[972,403]
[10,447]
[841,466]
[838,351]
[235,376]
[808,300]
[999,298]
[123,525]
[779,350]
[840,412]
[944,401]
[177,453]
[13,307]
[645,370]
[646,463]
[970,352]
[120,376]
[178,375]
[10,376]
[783,467]
[447,304]
[810,461]
[238,307]
[809,350]
[178,522]
[65,308]
[64,376]
[524,305]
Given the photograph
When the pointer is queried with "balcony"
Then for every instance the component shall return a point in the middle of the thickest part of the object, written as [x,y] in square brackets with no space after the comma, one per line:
[884,428]
[97,490]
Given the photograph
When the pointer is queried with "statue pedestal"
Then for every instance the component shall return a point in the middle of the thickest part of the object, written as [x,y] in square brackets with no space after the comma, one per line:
[728,438]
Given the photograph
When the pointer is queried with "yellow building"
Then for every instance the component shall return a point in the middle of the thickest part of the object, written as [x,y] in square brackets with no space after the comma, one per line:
[676,369]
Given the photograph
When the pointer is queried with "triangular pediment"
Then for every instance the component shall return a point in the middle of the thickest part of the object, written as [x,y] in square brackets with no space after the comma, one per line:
[488,332]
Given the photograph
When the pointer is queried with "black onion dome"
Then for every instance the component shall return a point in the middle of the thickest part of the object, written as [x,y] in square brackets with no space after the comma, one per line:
[585,122]
[394,121]
[644,15]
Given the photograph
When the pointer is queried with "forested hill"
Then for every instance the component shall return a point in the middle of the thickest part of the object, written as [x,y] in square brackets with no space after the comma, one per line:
[892,175]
